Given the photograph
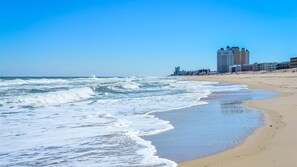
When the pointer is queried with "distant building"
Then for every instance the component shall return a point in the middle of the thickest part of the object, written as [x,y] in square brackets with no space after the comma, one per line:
[257,67]
[231,56]
[203,71]
[225,58]
[247,67]
[270,66]
[177,71]
[236,53]
[264,66]
[235,68]
[283,65]
[245,56]
[293,62]
[241,56]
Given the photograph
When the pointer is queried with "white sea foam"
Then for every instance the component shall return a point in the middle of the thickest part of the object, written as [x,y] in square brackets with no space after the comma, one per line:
[149,153]
[87,126]
[15,82]
[54,98]
[127,85]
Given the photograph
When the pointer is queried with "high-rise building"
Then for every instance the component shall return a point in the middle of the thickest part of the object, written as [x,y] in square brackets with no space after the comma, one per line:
[231,56]
[225,58]
[236,52]
[247,57]
[241,56]
[177,71]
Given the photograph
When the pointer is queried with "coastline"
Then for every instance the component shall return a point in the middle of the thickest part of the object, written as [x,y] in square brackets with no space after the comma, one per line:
[218,125]
[274,143]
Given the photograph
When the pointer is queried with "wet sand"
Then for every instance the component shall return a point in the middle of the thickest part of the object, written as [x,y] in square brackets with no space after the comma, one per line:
[274,144]
[206,129]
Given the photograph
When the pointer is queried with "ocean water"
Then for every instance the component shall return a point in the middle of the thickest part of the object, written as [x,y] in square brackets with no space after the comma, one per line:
[204,130]
[92,121]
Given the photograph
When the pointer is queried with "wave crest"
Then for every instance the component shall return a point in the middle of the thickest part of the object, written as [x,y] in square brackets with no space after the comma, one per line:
[55,98]
[15,82]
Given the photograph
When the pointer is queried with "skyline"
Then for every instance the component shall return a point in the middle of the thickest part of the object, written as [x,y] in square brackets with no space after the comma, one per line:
[139,38]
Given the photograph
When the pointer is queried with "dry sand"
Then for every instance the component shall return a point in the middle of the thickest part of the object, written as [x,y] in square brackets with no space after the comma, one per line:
[275,144]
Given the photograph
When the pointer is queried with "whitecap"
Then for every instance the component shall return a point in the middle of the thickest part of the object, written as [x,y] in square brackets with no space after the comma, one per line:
[54,98]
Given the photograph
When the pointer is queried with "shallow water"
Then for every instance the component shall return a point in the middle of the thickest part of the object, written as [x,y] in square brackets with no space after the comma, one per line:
[94,121]
[207,129]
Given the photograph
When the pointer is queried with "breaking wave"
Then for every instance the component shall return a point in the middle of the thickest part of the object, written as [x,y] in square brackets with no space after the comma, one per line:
[54,98]
[91,121]
[16,82]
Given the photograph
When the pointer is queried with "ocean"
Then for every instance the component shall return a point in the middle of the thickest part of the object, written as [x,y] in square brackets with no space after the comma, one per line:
[80,121]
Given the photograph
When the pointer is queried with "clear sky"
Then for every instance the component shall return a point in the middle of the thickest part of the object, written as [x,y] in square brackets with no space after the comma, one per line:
[139,37]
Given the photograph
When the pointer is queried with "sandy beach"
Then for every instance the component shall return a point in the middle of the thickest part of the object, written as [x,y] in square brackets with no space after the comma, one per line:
[273,145]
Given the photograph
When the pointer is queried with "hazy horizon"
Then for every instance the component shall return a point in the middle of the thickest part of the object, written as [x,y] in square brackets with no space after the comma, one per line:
[139,38]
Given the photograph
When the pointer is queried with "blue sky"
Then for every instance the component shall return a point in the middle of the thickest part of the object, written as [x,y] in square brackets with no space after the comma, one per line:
[139,37]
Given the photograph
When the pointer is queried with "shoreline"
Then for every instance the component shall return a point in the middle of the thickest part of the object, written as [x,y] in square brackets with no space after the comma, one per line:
[181,143]
[273,144]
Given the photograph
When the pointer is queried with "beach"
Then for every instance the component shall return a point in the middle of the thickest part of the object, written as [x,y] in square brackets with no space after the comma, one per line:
[220,124]
[272,145]
[109,121]
[132,121]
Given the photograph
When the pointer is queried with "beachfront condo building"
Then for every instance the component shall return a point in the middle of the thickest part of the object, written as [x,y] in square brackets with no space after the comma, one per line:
[283,65]
[227,58]
[271,66]
[293,62]
[241,56]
